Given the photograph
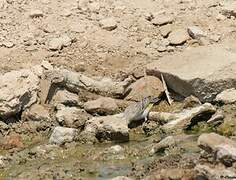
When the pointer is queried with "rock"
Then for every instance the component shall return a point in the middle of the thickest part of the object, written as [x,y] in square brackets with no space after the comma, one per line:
[59,42]
[217,118]
[222,147]
[103,86]
[116,149]
[229,9]
[163,144]
[190,117]
[71,117]
[62,135]
[8,44]
[213,74]
[178,37]
[227,96]
[13,140]
[111,128]
[66,98]
[191,101]
[121,178]
[108,24]
[46,65]
[36,112]
[36,13]
[146,86]
[216,173]
[18,91]
[195,32]
[102,105]
[162,19]
[165,30]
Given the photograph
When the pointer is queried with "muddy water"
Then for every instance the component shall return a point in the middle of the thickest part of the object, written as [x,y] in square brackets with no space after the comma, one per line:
[77,161]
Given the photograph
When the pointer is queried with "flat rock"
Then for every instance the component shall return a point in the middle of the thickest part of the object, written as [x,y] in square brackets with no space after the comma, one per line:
[108,24]
[178,37]
[146,86]
[62,135]
[203,72]
[162,19]
[228,96]
[111,128]
[189,117]
[71,117]
[102,105]
[18,90]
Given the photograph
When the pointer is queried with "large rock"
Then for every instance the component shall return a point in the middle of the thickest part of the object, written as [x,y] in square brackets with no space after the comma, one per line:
[62,135]
[146,86]
[228,96]
[103,106]
[18,90]
[223,148]
[71,117]
[67,98]
[202,71]
[111,128]
[178,37]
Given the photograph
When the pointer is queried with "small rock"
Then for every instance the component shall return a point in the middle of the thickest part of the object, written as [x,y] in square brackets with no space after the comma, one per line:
[36,13]
[165,30]
[191,101]
[220,17]
[36,112]
[215,38]
[8,44]
[116,149]
[121,178]
[66,98]
[217,118]
[228,96]
[103,106]
[162,20]
[72,117]
[46,65]
[146,86]
[178,37]
[111,128]
[108,24]
[163,144]
[62,135]
[195,32]
[13,140]
[59,43]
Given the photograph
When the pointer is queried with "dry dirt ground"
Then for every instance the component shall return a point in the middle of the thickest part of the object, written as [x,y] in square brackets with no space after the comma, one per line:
[27,27]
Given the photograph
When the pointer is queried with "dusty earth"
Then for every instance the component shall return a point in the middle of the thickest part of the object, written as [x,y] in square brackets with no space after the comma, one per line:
[115,39]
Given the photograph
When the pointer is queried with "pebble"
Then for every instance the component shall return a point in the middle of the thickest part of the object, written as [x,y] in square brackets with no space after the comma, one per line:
[178,37]
[162,20]
[108,24]
[195,32]
[36,13]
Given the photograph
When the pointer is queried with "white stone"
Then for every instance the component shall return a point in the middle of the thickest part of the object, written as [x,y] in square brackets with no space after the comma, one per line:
[228,96]
[108,24]
[62,135]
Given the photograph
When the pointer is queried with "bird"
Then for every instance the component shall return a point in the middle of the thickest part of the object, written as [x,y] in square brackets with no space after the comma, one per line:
[139,111]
